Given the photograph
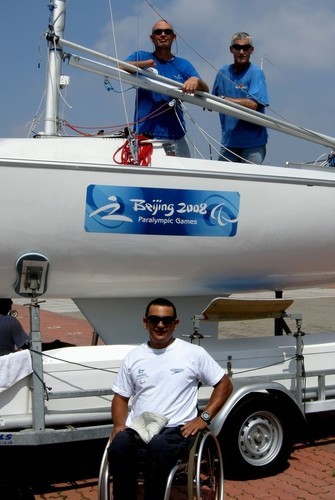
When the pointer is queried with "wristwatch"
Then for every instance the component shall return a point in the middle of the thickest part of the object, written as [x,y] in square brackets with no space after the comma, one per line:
[206,417]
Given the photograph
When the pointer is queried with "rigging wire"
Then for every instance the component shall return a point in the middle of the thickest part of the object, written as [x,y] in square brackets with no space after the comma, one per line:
[36,118]
[117,57]
[109,87]
[208,139]
[116,128]
[101,130]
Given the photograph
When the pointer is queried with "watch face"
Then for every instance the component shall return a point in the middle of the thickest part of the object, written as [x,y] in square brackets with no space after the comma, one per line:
[205,416]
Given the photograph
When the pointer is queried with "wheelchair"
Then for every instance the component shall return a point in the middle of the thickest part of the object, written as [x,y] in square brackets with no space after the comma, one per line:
[200,474]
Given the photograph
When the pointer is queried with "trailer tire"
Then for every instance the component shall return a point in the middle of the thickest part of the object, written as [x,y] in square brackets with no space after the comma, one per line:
[255,439]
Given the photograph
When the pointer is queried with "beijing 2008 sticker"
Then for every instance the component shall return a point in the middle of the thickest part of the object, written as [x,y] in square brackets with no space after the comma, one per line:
[160,211]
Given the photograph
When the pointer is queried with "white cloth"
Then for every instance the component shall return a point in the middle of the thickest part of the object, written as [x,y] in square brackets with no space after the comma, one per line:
[148,424]
[14,367]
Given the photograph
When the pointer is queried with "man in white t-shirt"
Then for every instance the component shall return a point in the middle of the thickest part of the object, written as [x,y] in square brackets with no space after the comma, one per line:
[161,376]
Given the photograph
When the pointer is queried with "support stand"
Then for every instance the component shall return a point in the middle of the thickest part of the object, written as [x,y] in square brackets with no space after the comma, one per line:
[38,393]
[32,278]
[300,370]
[280,324]
[196,336]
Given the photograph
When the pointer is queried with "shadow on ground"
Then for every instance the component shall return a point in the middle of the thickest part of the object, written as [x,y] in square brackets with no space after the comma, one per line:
[33,470]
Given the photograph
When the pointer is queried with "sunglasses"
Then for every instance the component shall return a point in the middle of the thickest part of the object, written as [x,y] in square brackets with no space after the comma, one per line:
[167,31]
[166,320]
[238,47]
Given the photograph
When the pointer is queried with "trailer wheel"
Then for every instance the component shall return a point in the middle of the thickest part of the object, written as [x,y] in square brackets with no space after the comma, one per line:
[255,439]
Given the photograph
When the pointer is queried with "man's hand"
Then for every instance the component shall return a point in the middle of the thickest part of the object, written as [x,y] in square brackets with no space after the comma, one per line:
[191,85]
[193,427]
[117,428]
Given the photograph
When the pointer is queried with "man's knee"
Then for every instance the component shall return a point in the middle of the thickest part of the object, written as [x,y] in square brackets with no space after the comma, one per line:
[123,443]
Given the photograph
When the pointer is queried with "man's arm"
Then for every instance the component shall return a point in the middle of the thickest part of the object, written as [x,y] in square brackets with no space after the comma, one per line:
[257,91]
[148,63]
[119,413]
[243,101]
[219,396]
[203,86]
[19,336]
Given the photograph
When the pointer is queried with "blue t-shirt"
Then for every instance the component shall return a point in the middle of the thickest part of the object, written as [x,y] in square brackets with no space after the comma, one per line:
[12,334]
[250,83]
[153,113]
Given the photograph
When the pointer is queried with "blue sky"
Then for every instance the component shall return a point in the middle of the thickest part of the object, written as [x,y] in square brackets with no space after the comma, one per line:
[294,40]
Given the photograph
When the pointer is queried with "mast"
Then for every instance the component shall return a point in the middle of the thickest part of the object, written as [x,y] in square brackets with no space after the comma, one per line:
[55,52]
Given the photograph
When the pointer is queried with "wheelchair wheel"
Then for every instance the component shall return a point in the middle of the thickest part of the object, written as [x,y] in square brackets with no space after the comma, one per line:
[103,482]
[205,469]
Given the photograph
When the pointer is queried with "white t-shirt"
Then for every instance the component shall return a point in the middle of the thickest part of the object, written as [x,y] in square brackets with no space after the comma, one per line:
[166,380]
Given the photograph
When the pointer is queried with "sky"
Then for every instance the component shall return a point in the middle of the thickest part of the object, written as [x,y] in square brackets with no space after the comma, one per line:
[294,43]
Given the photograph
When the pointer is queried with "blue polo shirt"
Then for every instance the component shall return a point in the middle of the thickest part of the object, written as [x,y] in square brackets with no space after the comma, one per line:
[250,83]
[153,113]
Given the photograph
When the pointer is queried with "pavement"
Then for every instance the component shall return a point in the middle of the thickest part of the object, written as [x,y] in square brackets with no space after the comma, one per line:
[70,471]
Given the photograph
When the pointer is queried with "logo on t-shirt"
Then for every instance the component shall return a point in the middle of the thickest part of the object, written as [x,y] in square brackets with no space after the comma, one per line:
[176,370]
[141,376]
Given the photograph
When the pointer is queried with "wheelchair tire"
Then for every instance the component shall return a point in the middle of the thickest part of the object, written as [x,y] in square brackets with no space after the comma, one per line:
[205,469]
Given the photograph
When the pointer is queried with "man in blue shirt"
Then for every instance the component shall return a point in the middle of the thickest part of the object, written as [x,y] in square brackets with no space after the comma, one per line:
[242,83]
[156,114]
[12,335]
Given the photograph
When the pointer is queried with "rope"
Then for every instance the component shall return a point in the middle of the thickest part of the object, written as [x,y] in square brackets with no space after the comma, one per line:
[134,152]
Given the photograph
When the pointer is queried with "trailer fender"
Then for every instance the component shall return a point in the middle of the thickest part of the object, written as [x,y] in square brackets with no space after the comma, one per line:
[243,390]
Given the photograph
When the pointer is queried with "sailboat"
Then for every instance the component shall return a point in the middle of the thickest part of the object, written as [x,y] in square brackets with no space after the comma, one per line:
[111,221]
[116,233]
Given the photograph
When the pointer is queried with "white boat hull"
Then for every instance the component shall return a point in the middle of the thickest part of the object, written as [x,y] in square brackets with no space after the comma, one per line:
[285,235]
